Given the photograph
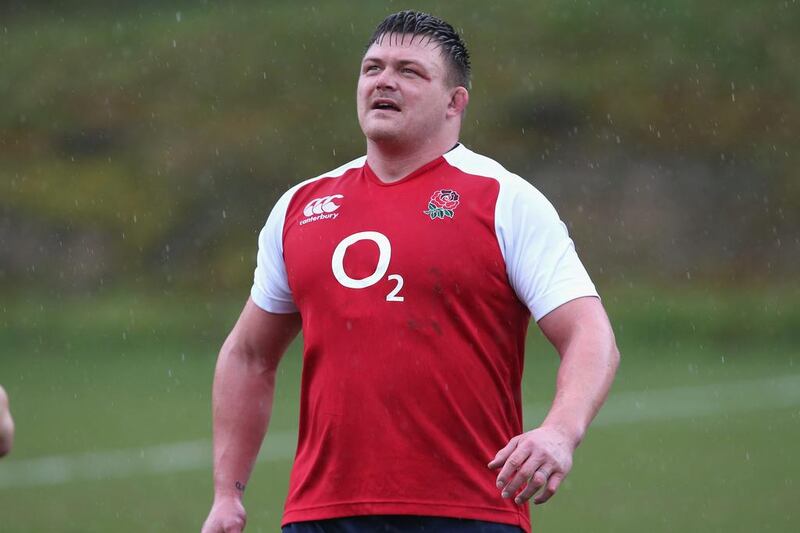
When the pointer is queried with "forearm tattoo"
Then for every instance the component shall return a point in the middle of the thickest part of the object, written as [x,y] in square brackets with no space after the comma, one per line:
[239,486]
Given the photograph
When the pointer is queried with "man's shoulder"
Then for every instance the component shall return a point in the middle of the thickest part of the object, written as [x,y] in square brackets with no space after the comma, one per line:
[341,170]
[337,172]
[471,162]
[310,185]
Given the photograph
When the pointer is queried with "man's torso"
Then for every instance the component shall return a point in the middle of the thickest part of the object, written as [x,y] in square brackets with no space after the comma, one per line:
[413,337]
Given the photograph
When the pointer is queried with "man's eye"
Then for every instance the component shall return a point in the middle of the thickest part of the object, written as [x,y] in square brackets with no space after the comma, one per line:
[409,71]
[371,68]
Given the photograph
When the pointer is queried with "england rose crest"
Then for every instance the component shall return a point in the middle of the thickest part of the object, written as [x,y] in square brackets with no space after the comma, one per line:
[442,204]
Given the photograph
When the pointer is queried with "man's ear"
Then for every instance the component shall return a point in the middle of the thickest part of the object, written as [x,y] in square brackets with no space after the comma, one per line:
[458,101]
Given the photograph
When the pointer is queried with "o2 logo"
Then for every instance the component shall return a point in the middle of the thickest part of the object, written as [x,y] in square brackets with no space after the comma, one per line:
[384,256]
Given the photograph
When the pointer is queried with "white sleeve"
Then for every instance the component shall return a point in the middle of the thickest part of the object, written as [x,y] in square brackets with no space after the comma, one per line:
[540,257]
[271,290]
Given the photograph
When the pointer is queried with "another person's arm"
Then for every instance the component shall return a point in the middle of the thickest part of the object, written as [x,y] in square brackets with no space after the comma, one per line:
[582,335]
[6,424]
[244,384]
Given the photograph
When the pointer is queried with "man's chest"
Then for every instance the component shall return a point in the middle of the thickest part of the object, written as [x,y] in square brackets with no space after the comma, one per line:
[351,242]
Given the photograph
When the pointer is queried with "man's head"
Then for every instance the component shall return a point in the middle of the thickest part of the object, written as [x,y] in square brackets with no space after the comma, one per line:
[413,82]
[439,32]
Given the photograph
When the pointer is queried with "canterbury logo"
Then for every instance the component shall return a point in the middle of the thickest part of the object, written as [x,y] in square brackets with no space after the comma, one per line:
[322,205]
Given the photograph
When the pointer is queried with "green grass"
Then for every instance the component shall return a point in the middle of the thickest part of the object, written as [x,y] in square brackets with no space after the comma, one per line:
[89,374]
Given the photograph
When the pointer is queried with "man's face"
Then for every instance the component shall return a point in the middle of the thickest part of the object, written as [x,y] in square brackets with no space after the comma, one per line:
[403,91]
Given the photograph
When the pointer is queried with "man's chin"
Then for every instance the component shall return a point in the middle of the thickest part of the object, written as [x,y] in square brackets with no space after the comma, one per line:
[384,135]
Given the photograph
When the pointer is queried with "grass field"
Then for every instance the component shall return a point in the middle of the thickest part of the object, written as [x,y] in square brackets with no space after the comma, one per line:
[111,398]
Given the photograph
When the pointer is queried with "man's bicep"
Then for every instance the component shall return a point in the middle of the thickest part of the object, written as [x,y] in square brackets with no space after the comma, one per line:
[567,321]
[542,264]
[263,334]
[271,290]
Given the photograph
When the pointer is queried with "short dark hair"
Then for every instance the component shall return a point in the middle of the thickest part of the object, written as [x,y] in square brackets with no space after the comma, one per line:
[435,29]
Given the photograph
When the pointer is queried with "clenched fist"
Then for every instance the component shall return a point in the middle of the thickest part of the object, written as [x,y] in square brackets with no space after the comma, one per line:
[226,516]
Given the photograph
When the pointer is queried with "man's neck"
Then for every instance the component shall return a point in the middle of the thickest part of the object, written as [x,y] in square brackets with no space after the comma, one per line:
[392,163]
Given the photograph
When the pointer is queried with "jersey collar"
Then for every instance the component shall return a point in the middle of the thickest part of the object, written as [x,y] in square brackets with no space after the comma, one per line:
[424,169]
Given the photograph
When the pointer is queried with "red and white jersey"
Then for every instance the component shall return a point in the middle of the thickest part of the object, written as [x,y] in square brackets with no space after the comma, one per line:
[415,298]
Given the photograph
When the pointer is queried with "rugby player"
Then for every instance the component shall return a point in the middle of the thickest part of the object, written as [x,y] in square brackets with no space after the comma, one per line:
[413,272]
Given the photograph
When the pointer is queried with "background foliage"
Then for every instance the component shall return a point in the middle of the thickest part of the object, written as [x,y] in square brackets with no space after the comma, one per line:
[148,140]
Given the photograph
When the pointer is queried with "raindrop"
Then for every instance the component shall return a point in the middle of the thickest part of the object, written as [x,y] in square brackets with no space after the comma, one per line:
[178,16]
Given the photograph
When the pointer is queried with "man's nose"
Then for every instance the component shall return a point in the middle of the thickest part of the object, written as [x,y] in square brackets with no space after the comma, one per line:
[386,79]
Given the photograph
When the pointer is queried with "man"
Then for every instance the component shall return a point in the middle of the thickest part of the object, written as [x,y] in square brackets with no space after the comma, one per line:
[6,424]
[414,272]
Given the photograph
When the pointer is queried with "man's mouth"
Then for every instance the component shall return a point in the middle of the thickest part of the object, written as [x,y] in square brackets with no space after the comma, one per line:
[385,104]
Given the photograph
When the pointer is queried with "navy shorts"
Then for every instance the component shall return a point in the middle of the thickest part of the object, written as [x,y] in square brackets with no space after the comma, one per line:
[398,524]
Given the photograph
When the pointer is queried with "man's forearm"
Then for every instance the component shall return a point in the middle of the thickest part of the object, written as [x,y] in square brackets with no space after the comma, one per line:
[588,365]
[244,385]
[542,458]
[242,404]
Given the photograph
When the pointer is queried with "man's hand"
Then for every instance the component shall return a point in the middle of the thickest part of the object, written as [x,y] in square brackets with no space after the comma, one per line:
[226,516]
[6,424]
[538,458]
